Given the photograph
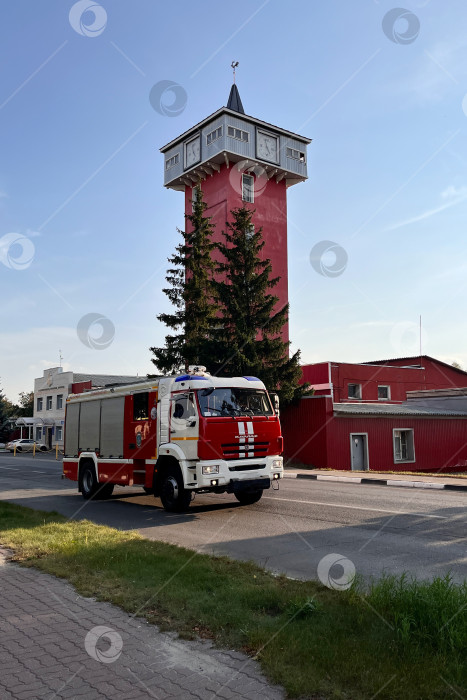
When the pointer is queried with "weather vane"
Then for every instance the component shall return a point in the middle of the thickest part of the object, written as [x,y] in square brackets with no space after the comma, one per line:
[234,64]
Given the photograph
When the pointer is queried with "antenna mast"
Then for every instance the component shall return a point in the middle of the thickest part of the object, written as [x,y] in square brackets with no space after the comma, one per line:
[234,64]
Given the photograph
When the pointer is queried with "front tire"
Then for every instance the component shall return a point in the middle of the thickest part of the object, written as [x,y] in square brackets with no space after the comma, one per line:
[175,498]
[248,498]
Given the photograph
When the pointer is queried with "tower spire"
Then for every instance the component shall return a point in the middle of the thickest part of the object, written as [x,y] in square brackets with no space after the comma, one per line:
[234,101]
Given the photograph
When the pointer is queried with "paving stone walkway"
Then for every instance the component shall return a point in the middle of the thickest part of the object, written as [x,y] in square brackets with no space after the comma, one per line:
[56,644]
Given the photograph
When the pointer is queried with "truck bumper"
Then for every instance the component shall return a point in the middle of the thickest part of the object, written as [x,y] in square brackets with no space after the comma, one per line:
[228,474]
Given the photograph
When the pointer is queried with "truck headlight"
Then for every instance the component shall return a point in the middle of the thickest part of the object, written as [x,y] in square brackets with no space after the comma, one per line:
[277,464]
[210,469]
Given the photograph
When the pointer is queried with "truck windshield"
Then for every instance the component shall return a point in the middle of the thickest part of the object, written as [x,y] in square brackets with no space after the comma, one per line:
[234,402]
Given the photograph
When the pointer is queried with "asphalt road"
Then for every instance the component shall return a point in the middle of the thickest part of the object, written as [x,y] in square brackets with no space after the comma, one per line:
[377,528]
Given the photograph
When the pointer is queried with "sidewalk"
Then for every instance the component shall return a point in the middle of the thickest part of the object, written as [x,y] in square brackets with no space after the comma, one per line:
[405,480]
[56,644]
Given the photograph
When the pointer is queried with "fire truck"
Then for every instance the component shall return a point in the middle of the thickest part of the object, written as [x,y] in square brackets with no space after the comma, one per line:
[175,437]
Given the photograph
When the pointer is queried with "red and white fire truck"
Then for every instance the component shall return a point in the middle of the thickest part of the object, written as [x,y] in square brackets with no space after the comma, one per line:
[175,437]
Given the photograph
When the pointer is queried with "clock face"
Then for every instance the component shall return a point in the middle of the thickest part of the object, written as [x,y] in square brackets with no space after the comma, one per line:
[267,146]
[192,152]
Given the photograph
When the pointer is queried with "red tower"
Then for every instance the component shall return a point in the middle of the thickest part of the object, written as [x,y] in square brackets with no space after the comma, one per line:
[236,160]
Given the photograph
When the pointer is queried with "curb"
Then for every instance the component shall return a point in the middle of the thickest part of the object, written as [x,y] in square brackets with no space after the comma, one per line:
[378,482]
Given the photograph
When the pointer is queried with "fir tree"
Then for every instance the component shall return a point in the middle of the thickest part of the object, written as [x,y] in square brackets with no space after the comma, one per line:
[191,293]
[250,324]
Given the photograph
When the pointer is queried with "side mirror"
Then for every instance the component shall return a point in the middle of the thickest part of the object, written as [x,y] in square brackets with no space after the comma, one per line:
[275,403]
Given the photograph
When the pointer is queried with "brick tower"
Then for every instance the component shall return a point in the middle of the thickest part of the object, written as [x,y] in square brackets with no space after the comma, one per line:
[236,160]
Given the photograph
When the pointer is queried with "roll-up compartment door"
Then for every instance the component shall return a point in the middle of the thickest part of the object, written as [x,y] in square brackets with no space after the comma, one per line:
[112,411]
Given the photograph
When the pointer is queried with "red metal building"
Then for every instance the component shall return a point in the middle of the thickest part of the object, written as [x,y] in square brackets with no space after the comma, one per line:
[384,415]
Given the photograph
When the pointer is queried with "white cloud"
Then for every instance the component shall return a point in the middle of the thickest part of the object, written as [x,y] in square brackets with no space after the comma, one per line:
[452,196]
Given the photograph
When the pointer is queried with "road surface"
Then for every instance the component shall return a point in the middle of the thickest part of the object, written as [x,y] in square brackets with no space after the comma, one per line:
[378,528]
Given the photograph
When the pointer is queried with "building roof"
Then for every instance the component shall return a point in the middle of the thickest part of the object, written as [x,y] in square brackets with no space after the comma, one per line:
[415,362]
[234,102]
[381,409]
[234,113]
[98,380]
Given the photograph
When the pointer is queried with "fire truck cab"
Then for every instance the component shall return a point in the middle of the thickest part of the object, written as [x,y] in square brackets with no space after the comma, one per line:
[175,437]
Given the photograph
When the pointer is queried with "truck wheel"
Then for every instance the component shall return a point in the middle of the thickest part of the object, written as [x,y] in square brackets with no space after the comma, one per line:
[174,497]
[88,482]
[247,499]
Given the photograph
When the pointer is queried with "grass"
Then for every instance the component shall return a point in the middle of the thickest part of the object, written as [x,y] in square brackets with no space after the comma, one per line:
[397,638]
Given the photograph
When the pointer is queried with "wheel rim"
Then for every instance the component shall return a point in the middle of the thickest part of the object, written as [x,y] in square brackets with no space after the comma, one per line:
[170,489]
[87,481]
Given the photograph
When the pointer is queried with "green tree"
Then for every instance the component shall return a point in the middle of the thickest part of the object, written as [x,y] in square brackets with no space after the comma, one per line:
[248,337]
[26,404]
[191,292]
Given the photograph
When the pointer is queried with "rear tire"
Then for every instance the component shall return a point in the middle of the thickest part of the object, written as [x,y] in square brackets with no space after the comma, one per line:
[247,499]
[88,482]
[174,497]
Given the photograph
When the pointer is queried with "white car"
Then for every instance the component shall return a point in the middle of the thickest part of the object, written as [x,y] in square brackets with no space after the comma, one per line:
[25,445]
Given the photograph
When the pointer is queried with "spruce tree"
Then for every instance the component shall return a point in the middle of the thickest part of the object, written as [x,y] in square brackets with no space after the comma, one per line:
[191,293]
[250,324]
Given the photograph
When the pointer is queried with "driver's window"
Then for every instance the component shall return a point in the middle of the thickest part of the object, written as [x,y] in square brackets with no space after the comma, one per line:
[183,407]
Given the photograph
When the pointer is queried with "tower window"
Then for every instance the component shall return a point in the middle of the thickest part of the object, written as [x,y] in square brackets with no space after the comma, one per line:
[250,232]
[248,194]
[170,162]
[214,135]
[194,196]
[297,155]
[238,134]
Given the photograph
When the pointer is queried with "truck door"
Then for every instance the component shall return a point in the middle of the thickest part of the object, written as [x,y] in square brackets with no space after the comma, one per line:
[184,423]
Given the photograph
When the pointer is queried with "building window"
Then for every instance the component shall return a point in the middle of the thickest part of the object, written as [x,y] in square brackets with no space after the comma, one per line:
[214,135]
[194,196]
[384,393]
[58,432]
[238,134]
[250,232]
[170,162]
[297,155]
[403,446]
[248,188]
[140,406]
[59,401]
[48,404]
[38,434]
[39,403]
[355,391]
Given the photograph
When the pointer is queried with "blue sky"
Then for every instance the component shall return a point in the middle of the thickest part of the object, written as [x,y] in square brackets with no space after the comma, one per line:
[81,173]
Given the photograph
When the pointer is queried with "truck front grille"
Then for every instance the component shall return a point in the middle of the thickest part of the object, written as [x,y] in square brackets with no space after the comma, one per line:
[234,450]
[247,467]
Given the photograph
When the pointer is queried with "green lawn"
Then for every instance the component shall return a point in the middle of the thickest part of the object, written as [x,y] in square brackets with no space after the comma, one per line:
[400,639]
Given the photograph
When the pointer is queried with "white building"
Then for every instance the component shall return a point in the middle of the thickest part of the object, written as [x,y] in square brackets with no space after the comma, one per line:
[50,394]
